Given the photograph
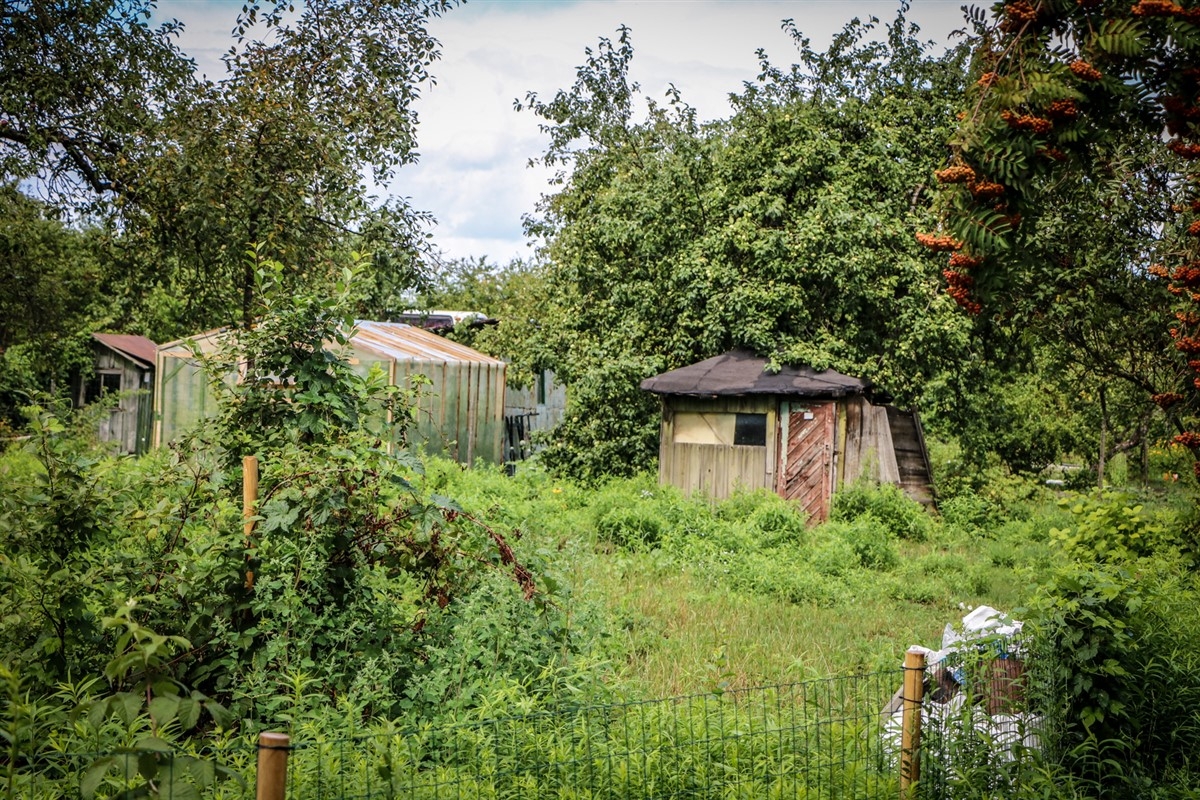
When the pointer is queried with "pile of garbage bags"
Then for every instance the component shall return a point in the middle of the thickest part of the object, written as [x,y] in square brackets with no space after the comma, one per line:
[974,692]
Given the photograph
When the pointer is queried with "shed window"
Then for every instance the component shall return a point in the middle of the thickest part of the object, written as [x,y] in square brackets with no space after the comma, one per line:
[750,429]
[101,384]
[722,429]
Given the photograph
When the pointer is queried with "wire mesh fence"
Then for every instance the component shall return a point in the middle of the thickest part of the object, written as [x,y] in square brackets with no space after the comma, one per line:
[831,738]
[816,739]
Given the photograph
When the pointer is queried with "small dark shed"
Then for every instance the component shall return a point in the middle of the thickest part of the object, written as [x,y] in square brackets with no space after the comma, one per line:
[123,365]
[729,424]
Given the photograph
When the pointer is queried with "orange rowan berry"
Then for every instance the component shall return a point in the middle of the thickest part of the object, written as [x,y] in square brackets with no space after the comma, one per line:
[1085,71]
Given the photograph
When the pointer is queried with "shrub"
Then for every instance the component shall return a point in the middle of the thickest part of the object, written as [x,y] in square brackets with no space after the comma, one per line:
[634,528]
[1120,659]
[1112,527]
[779,524]
[903,518]
[971,513]
[871,541]
[832,554]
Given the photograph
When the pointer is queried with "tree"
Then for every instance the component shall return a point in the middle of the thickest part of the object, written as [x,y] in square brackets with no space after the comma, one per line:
[784,229]
[83,86]
[49,280]
[1060,187]
[189,173]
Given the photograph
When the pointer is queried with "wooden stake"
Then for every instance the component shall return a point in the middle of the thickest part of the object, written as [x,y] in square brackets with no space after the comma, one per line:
[249,500]
[910,744]
[273,751]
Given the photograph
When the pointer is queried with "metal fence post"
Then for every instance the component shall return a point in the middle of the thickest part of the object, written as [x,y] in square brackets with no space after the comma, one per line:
[910,744]
[273,751]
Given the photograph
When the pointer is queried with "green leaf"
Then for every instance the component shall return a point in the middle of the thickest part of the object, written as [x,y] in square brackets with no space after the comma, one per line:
[93,776]
[164,709]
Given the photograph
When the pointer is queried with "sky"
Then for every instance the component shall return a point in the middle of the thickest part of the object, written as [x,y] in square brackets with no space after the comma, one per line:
[473,172]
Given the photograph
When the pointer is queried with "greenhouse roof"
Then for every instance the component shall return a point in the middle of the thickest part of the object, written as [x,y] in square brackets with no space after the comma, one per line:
[395,340]
[406,342]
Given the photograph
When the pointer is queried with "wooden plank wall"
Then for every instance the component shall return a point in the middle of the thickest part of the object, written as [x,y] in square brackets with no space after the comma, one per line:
[869,451]
[712,470]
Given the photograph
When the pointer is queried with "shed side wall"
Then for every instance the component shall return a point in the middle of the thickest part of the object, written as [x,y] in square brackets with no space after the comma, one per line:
[713,470]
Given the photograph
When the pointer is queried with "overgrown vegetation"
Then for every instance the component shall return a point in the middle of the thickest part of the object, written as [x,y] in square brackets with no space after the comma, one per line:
[126,607]
[146,633]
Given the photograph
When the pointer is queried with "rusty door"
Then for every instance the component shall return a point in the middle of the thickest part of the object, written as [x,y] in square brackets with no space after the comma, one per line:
[806,452]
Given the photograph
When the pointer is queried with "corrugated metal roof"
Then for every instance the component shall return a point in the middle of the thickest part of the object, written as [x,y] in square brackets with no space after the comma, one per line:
[741,373]
[406,342]
[137,348]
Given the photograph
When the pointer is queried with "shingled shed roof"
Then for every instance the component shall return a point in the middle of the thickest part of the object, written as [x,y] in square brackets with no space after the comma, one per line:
[740,372]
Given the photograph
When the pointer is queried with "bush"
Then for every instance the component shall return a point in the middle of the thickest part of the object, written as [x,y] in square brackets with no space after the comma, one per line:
[832,554]
[971,513]
[871,541]
[632,528]
[1120,658]
[903,518]
[1112,527]
[779,524]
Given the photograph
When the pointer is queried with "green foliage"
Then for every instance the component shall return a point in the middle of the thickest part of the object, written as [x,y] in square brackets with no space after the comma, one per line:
[900,516]
[631,528]
[1121,654]
[182,172]
[50,298]
[1029,426]
[610,426]
[872,541]
[358,580]
[784,230]
[1112,528]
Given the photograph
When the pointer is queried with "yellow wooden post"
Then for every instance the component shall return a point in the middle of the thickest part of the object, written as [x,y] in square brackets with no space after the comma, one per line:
[249,500]
[910,744]
[273,751]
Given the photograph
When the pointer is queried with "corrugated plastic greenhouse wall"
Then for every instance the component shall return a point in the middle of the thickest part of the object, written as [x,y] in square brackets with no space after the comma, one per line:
[460,411]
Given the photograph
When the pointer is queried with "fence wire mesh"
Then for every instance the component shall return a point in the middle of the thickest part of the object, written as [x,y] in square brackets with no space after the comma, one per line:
[816,739]
[831,738]
[819,739]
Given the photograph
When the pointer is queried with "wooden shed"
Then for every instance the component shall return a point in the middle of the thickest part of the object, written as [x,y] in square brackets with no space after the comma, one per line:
[729,424]
[460,413]
[123,365]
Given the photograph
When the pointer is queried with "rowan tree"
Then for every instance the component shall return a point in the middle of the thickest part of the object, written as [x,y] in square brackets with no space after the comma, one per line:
[1061,200]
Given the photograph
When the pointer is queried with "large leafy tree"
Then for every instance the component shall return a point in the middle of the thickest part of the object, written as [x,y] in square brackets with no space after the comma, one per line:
[83,86]
[784,229]
[49,294]
[101,112]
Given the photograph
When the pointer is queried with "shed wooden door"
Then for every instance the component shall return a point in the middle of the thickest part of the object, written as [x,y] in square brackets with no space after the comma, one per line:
[806,446]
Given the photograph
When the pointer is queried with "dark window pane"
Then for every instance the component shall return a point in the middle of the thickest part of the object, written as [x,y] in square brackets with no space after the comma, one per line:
[750,429]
